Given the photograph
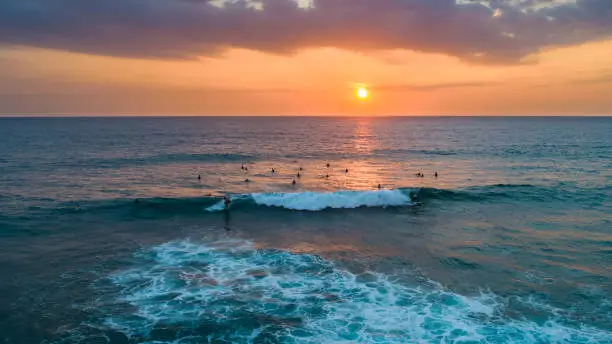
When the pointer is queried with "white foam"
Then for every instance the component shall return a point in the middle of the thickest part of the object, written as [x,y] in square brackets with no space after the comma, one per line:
[245,293]
[314,201]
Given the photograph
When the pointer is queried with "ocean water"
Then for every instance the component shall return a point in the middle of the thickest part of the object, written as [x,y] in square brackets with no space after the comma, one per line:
[108,236]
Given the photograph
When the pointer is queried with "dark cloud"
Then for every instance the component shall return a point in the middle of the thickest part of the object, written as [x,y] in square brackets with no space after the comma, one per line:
[187,28]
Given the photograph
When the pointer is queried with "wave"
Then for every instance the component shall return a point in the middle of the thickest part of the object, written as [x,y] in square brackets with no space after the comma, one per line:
[230,291]
[316,201]
[312,201]
[157,160]
[416,151]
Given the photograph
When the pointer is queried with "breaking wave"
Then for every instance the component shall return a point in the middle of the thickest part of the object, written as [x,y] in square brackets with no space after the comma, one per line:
[228,291]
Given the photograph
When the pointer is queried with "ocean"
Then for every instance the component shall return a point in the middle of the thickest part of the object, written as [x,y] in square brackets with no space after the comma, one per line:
[107,235]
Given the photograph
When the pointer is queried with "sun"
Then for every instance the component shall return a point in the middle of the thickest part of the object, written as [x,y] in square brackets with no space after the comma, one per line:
[362,92]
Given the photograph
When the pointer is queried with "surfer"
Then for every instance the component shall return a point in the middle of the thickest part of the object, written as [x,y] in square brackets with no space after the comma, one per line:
[242,167]
[436,175]
[227,201]
[327,165]
[346,171]
[379,186]
[301,169]
[273,170]
[299,175]
[327,176]
[293,182]
[247,180]
[199,177]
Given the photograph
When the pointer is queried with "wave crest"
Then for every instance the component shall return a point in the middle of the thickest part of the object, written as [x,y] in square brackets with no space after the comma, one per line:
[232,291]
[316,201]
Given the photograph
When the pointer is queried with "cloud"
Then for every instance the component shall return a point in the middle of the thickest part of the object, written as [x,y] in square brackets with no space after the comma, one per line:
[497,31]
[434,87]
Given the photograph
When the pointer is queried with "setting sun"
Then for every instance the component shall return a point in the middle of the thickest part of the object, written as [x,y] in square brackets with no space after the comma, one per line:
[363,93]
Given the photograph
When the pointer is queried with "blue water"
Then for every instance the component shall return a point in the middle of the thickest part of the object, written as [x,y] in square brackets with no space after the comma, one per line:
[108,236]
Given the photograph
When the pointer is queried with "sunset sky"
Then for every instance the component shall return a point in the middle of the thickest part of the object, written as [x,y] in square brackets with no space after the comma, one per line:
[286,57]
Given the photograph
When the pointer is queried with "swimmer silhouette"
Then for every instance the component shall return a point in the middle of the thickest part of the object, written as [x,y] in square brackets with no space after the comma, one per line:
[299,175]
[247,180]
[327,164]
[226,201]
[273,171]
[379,187]
[301,169]
[293,182]
[327,176]
[199,177]
[436,175]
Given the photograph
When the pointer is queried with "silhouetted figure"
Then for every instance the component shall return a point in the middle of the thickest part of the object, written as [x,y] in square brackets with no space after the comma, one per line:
[299,175]
[327,176]
[242,166]
[199,177]
[413,196]
[301,169]
[328,165]
[379,187]
[273,171]
[247,180]
[246,168]
[436,175]
[293,182]
[346,171]
[227,201]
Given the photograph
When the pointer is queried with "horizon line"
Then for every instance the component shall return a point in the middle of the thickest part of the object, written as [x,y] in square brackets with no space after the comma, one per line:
[63,115]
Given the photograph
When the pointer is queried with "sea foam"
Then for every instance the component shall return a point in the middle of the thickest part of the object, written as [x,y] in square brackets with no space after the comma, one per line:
[229,291]
[316,201]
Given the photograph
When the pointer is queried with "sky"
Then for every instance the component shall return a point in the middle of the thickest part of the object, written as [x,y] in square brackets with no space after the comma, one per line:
[301,57]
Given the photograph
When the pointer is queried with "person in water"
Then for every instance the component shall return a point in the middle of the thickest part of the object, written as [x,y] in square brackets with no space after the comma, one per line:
[328,165]
[436,174]
[293,182]
[379,187]
[199,177]
[299,175]
[247,180]
[327,176]
[273,171]
[346,171]
[227,201]
[301,169]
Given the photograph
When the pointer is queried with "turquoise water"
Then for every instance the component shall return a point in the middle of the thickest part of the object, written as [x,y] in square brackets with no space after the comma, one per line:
[511,243]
